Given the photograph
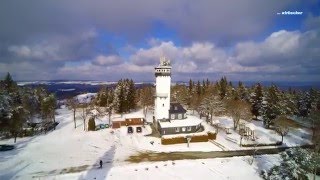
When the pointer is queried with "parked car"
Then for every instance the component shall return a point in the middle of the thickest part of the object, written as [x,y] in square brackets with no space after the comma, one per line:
[130,129]
[139,129]
[5,147]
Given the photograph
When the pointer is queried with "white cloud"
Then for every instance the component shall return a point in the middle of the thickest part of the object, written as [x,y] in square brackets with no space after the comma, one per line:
[312,22]
[42,52]
[282,48]
[110,60]
[284,55]
[224,21]
[57,48]
[151,56]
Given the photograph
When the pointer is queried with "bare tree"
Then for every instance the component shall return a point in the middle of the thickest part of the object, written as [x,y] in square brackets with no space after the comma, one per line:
[72,105]
[195,103]
[109,112]
[212,105]
[108,107]
[85,111]
[146,99]
[105,100]
[238,109]
[282,126]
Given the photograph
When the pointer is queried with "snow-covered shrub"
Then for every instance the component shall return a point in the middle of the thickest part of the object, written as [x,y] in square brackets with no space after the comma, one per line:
[296,164]
[91,124]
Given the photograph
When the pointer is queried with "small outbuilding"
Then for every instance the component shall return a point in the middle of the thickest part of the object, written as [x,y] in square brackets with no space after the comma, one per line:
[118,123]
[134,121]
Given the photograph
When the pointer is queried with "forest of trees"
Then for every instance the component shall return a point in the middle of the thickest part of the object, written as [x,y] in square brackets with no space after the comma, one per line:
[222,97]
[296,164]
[267,103]
[19,106]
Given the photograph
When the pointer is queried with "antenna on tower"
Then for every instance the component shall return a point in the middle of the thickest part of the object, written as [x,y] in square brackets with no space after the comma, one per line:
[164,61]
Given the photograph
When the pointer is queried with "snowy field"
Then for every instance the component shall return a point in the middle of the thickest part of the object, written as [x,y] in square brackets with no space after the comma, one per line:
[220,168]
[295,137]
[69,153]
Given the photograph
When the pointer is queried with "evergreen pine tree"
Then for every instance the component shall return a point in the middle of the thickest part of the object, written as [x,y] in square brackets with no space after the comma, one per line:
[304,104]
[242,92]
[190,92]
[198,88]
[116,100]
[271,107]
[223,87]
[12,113]
[132,95]
[256,100]
[125,92]
[190,88]
[17,120]
[204,87]
[48,106]
[207,83]
[296,164]
[91,124]
[9,84]
[289,104]
[102,97]
[314,99]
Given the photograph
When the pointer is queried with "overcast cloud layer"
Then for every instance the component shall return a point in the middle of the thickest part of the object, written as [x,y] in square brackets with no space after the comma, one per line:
[108,40]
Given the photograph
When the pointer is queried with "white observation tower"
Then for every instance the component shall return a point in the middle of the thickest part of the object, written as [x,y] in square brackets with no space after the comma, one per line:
[163,83]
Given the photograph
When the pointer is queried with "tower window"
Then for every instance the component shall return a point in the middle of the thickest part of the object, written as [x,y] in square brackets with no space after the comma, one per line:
[162,105]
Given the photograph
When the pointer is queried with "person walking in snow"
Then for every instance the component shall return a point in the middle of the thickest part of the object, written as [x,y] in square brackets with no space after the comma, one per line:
[101,164]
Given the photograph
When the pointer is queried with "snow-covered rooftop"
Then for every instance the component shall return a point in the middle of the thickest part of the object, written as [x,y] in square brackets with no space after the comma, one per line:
[189,121]
[137,114]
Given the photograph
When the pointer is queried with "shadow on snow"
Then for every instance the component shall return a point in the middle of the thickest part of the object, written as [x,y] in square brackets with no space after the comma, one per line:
[100,173]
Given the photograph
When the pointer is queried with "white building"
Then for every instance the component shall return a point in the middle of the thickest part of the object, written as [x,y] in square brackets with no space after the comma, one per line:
[163,83]
[170,117]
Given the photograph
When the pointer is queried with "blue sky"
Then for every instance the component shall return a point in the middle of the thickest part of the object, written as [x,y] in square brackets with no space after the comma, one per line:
[107,40]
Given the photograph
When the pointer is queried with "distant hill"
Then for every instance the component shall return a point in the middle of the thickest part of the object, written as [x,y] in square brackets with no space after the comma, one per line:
[64,89]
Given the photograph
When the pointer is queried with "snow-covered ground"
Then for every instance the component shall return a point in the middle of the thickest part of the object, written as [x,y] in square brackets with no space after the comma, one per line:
[295,137]
[220,168]
[85,98]
[68,153]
